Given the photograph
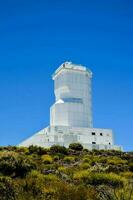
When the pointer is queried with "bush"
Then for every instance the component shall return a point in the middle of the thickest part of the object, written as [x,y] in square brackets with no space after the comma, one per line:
[90,159]
[85,166]
[112,180]
[87,159]
[37,150]
[33,185]
[128,175]
[131,167]
[76,146]
[47,159]
[116,161]
[15,165]
[69,171]
[65,191]
[69,159]
[56,158]
[58,149]
[8,189]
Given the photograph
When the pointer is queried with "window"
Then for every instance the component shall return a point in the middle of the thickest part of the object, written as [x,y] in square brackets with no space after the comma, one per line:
[72,100]
[93,142]
[93,133]
[60,131]
[109,143]
[101,134]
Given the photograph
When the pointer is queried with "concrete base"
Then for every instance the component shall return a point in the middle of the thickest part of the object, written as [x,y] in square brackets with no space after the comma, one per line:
[90,138]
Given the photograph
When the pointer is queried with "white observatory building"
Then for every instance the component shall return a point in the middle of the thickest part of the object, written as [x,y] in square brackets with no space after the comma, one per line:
[72,106]
[71,114]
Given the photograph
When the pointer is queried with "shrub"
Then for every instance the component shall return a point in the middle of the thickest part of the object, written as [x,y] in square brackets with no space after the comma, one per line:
[37,150]
[24,166]
[69,171]
[86,150]
[15,165]
[47,159]
[76,146]
[8,189]
[33,185]
[59,155]
[128,175]
[65,191]
[117,168]
[69,159]
[85,166]
[90,159]
[58,149]
[50,178]
[131,167]
[8,164]
[56,158]
[81,176]
[95,179]
[62,169]
[87,159]
[111,180]
[116,161]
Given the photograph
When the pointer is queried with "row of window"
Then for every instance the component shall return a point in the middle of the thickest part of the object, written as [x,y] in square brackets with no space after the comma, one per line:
[95,143]
[92,142]
[93,133]
[73,100]
[101,134]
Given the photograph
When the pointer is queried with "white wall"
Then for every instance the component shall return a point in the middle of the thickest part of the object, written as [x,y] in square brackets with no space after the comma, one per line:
[73,98]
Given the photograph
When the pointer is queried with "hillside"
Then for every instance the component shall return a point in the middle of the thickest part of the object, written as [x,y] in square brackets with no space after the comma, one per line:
[58,173]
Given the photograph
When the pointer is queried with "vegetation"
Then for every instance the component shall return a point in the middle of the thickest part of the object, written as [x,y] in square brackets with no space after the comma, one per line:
[60,173]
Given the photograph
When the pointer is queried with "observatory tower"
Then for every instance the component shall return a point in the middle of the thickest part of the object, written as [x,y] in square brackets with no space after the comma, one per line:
[71,114]
[72,106]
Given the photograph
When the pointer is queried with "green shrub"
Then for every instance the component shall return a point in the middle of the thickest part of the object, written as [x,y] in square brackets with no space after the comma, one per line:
[87,159]
[90,159]
[56,158]
[69,171]
[60,173]
[95,179]
[69,159]
[117,168]
[58,149]
[50,177]
[47,159]
[8,189]
[128,175]
[65,191]
[33,185]
[116,161]
[15,165]
[85,166]
[76,146]
[37,150]
[131,167]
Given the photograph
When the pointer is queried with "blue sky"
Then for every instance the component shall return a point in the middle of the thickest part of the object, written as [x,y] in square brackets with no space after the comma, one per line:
[37,36]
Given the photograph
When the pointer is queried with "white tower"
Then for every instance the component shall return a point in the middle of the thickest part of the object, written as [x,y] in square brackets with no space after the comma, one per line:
[73,105]
[71,114]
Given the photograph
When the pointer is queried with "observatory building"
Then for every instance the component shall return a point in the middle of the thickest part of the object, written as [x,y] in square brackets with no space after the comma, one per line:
[71,114]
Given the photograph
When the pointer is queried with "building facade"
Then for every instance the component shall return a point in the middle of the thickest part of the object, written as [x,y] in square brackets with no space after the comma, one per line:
[72,106]
[71,114]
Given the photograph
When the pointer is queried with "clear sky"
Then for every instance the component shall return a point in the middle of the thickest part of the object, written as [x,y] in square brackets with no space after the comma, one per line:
[36,36]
